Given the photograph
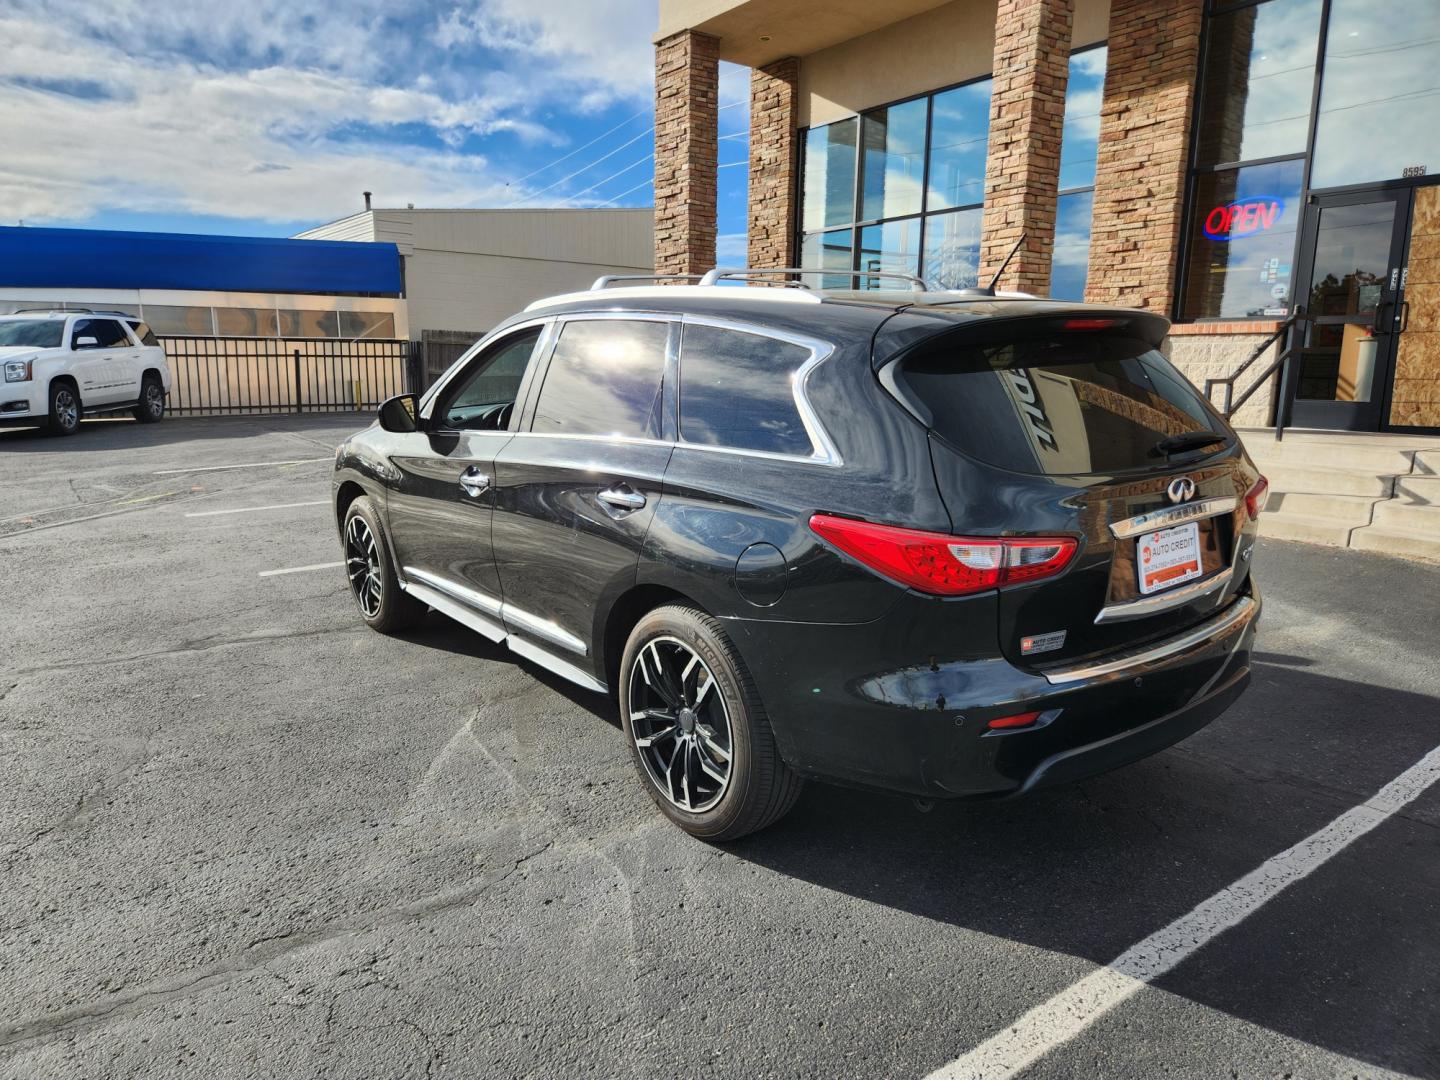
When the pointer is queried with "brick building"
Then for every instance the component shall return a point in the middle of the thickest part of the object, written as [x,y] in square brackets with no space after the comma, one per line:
[1223,162]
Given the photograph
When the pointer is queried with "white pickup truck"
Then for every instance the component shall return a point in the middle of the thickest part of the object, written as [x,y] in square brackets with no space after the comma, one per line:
[61,365]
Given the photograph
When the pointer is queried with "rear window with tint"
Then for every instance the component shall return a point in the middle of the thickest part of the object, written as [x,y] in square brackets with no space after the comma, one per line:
[737,391]
[1059,404]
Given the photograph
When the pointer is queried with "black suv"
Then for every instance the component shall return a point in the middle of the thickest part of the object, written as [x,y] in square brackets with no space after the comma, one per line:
[937,544]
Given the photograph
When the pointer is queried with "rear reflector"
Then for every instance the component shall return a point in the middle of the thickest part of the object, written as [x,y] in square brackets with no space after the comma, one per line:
[1024,719]
[945,565]
[1255,498]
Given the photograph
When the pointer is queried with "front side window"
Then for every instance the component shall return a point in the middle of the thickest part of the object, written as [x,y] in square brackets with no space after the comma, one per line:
[605,378]
[737,391]
[108,333]
[484,396]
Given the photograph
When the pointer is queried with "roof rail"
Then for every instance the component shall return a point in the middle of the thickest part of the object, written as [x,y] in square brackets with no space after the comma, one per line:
[741,273]
[52,308]
[604,281]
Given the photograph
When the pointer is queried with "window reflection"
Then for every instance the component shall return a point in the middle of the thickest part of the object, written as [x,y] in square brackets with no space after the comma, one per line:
[1378,93]
[952,249]
[1258,80]
[830,174]
[833,250]
[894,246]
[604,379]
[893,163]
[1071,261]
[959,133]
[1084,93]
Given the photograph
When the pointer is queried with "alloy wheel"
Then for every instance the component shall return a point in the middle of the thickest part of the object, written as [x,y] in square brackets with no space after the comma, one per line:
[66,410]
[362,564]
[154,399]
[680,724]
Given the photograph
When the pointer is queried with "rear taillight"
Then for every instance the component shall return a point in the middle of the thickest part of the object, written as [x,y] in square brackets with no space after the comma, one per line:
[942,564]
[1255,498]
[1024,719]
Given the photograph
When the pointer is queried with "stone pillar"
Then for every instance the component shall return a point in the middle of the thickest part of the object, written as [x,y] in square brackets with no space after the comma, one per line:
[687,76]
[1144,150]
[774,163]
[1027,116]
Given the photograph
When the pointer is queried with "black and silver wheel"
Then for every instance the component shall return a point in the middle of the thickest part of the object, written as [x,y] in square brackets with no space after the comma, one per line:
[697,728]
[152,401]
[373,584]
[64,408]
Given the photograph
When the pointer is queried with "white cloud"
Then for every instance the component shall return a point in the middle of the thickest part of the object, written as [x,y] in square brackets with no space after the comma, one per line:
[285,111]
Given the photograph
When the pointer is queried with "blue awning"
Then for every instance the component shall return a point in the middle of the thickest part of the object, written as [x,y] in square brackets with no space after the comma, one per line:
[102,259]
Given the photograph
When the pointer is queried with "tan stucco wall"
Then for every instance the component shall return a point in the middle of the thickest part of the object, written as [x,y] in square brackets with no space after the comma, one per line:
[1416,398]
[947,45]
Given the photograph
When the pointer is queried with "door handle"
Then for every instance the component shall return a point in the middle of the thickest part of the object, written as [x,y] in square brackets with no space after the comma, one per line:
[474,482]
[622,498]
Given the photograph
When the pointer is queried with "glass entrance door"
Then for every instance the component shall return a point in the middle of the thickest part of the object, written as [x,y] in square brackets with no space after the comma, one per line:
[1351,279]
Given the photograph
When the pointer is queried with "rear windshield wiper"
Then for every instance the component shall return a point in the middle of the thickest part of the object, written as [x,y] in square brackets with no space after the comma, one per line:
[1188,440]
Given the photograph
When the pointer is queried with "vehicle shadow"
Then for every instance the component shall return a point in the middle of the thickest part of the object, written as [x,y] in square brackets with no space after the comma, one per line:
[124,433]
[1091,869]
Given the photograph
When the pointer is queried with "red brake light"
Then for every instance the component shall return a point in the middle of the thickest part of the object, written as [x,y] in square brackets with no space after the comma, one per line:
[1089,324]
[1255,498]
[942,564]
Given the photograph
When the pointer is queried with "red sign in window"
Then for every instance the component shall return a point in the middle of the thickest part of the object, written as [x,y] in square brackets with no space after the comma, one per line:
[1244,217]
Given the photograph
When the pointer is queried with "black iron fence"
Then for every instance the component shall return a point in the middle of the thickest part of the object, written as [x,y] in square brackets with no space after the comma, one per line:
[214,376]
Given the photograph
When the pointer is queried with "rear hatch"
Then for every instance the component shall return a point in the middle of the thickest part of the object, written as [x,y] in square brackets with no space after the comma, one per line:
[1075,425]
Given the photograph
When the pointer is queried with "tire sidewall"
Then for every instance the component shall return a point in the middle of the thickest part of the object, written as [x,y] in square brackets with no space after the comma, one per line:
[143,412]
[390,593]
[55,423]
[687,626]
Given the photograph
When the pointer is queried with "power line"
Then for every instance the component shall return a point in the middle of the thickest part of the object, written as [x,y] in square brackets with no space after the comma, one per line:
[577,150]
[584,168]
[643,183]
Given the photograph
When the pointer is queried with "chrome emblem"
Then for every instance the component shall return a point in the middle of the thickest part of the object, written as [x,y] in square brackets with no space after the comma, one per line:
[1180,489]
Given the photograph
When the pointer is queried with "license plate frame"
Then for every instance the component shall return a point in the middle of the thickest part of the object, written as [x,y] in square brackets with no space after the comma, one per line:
[1167,558]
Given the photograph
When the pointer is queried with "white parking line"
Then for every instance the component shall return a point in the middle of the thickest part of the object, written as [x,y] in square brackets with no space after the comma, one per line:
[302,569]
[1071,1011]
[245,465]
[249,509]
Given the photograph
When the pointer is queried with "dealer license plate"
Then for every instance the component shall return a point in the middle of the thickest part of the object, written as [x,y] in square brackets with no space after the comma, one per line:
[1168,558]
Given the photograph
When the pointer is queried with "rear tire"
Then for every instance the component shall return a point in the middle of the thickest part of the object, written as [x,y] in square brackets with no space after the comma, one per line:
[64,411]
[697,728]
[373,583]
[152,401]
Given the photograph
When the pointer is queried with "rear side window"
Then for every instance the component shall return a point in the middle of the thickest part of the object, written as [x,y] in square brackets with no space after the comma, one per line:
[144,333]
[107,333]
[737,391]
[604,378]
[1058,404]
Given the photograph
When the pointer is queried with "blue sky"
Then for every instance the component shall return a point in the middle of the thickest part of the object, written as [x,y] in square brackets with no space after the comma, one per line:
[269,117]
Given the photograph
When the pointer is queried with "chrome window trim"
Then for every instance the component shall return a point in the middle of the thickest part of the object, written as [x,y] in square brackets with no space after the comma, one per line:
[823,450]
[533,624]
[1238,613]
[1174,515]
[1151,605]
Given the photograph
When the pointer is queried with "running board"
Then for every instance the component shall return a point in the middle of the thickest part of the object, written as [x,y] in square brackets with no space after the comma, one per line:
[493,631]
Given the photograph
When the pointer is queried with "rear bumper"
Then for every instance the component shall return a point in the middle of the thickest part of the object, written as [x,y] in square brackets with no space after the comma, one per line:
[920,727]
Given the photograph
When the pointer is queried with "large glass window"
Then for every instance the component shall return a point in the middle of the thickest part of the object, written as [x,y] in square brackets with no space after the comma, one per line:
[604,379]
[1243,241]
[181,321]
[736,390]
[913,205]
[1258,79]
[1079,149]
[1378,92]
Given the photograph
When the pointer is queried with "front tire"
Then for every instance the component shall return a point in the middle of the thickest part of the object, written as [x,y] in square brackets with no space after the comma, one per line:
[698,730]
[152,401]
[64,413]
[373,583]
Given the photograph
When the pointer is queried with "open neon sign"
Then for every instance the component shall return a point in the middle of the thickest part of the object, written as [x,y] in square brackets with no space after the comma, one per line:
[1243,217]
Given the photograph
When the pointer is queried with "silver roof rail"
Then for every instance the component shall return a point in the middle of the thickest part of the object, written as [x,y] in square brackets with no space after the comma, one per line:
[741,273]
[603,282]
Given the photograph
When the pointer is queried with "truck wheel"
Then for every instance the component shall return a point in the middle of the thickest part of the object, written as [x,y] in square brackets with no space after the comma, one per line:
[64,417]
[152,401]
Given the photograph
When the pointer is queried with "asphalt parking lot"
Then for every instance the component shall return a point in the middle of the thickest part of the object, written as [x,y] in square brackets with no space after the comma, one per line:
[242,835]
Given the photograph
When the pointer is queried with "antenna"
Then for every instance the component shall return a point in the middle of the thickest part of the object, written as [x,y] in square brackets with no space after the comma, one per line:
[990,289]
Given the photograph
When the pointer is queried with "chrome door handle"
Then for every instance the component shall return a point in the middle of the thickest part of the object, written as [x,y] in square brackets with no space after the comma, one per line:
[474,482]
[622,498]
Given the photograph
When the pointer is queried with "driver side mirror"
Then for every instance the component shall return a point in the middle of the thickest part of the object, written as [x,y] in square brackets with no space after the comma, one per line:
[86,342]
[398,414]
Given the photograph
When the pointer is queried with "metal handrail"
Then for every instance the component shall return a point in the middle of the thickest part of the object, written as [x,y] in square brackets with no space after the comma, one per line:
[737,273]
[1232,406]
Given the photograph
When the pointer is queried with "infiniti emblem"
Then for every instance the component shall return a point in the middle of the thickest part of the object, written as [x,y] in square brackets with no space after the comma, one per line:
[1180,489]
